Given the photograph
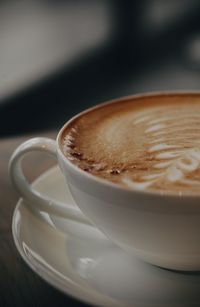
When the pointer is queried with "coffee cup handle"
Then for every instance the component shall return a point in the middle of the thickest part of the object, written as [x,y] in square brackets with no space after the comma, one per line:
[34,199]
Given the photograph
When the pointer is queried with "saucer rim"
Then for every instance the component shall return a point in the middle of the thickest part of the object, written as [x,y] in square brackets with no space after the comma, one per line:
[75,291]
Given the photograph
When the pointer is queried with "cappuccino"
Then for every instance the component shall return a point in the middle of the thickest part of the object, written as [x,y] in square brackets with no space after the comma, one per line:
[149,142]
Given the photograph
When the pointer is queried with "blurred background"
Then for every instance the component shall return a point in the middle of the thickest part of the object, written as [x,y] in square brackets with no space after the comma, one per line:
[60,57]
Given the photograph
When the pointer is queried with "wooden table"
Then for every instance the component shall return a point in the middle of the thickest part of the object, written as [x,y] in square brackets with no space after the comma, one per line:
[19,285]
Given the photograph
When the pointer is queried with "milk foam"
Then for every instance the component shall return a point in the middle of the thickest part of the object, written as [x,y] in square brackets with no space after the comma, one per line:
[143,145]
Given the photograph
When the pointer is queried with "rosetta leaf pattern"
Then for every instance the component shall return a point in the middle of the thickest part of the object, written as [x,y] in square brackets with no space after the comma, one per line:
[173,144]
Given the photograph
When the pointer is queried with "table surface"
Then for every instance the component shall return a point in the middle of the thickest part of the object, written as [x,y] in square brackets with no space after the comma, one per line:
[19,285]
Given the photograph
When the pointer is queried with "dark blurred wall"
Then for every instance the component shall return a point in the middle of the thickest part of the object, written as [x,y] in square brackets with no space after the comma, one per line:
[58,58]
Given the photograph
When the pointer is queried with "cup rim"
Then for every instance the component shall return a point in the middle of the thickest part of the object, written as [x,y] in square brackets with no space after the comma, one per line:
[110,184]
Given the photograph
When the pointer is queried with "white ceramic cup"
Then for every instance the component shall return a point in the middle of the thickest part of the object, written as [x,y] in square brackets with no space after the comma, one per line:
[161,229]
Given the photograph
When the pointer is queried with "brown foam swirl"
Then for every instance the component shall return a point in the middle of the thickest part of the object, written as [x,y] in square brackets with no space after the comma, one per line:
[149,143]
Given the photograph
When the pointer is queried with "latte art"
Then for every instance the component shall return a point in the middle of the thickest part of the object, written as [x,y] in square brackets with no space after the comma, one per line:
[173,162]
[148,143]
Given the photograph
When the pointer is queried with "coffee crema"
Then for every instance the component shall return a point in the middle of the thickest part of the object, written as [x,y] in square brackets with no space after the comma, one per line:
[150,142]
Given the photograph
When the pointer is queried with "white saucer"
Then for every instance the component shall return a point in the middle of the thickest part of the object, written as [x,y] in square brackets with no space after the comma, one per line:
[82,263]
